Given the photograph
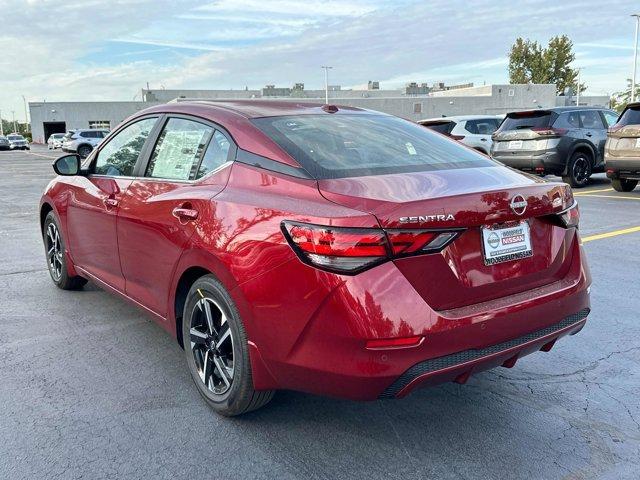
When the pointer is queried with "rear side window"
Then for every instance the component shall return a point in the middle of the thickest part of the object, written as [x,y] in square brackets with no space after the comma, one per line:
[179,149]
[216,155]
[346,145]
[485,126]
[631,116]
[591,119]
[568,120]
[119,156]
[522,120]
[440,127]
[187,150]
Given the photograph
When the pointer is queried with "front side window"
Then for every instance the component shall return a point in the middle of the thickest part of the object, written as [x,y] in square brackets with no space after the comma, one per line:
[179,149]
[119,156]
[349,145]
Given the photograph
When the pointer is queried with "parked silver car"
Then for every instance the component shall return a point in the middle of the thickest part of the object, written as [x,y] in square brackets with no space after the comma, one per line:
[83,141]
[473,130]
[18,142]
[55,141]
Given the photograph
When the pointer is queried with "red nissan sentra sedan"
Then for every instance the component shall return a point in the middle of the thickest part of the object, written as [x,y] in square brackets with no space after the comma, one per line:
[325,249]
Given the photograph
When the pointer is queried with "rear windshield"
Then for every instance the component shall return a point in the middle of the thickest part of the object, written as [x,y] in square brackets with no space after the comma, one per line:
[631,116]
[343,145]
[16,137]
[522,120]
[440,127]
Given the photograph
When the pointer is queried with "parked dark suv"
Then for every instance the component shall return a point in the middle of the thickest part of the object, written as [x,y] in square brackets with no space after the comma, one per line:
[622,152]
[564,141]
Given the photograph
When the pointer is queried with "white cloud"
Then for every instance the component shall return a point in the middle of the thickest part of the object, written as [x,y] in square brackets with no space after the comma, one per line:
[56,50]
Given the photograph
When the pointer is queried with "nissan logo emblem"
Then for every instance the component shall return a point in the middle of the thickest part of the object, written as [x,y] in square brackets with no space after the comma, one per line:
[518,205]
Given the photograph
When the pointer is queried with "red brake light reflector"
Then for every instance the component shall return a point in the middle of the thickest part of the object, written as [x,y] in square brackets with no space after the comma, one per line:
[403,342]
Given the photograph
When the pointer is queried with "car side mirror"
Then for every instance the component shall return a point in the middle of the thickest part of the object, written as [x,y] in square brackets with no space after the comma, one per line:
[68,165]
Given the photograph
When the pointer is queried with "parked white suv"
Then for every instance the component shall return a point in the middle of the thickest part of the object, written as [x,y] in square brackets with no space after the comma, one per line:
[82,141]
[472,130]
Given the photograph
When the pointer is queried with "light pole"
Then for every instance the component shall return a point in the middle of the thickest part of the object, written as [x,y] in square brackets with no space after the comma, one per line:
[1,129]
[635,58]
[26,117]
[13,114]
[326,83]
[578,89]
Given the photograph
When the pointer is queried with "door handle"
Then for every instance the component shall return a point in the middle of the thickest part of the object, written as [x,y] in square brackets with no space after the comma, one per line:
[588,134]
[483,139]
[185,214]
[110,202]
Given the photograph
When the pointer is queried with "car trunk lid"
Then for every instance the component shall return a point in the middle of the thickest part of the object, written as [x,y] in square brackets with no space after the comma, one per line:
[467,199]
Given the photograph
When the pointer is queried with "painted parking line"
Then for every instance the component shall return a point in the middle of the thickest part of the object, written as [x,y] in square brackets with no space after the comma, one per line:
[39,155]
[587,192]
[615,233]
[621,197]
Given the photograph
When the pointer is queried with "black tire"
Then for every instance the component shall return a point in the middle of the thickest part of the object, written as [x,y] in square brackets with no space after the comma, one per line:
[84,150]
[623,184]
[54,248]
[236,394]
[579,170]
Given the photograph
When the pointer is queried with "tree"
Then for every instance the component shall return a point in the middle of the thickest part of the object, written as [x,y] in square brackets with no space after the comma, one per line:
[530,62]
[619,100]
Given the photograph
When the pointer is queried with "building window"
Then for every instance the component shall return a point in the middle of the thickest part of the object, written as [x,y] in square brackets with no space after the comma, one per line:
[417,108]
[100,124]
[512,92]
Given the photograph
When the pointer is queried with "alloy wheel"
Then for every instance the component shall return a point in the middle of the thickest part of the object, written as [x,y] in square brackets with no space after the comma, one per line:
[212,345]
[581,170]
[54,251]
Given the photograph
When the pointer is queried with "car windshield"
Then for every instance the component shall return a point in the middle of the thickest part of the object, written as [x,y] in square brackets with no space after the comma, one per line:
[16,137]
[522,120]
[631,116]
[345,145]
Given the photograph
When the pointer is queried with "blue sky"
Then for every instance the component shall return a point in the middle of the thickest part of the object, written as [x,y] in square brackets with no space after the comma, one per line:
[97,50]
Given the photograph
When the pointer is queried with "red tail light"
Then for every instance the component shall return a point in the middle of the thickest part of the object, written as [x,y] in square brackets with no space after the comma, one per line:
[352,250]
[614,128]
[549,132]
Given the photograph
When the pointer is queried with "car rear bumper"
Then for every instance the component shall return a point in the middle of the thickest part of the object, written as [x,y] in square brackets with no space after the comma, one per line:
[459,366]
[548,161]
[627,167]
[328,353]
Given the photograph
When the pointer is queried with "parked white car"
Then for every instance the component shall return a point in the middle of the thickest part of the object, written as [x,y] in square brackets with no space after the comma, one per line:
[17,142]
[83,141]
[472,130]
[55,141]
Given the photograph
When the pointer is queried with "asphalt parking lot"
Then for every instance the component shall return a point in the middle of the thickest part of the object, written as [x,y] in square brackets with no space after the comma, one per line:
[90,387]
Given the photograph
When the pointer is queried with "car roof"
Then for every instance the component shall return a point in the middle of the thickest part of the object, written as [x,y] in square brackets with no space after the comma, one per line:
[561,109]
[263,108]
[458,118]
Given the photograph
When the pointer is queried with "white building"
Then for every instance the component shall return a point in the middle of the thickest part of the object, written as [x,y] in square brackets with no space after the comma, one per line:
[440,100]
